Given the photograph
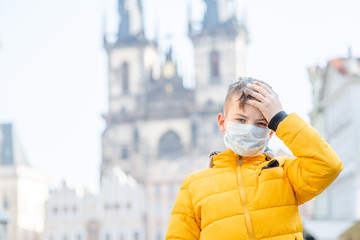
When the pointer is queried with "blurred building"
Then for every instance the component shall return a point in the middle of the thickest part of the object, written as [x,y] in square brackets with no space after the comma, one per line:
[3,225]
[23,191]
[115,213]
[156,130]
[336,115]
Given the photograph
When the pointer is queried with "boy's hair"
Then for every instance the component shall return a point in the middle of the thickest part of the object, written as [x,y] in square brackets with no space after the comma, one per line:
[237,89]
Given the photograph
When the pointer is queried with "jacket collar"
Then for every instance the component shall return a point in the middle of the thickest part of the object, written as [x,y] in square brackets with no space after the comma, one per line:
[230,159]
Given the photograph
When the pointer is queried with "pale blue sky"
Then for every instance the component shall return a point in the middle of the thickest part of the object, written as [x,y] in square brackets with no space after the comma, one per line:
[53,69]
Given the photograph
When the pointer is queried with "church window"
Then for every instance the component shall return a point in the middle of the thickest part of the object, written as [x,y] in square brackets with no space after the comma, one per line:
[170,145]
[123,110]
[136,139]
[214,67]
[92,230]
[193,134]
[125,77]
[124,153]
[159,235]
[321,205]
[5,203]
[107,161]
[136,235]
[157,189]
[158,209]
[171,189]
[122,236]
[116,206]
[107,207]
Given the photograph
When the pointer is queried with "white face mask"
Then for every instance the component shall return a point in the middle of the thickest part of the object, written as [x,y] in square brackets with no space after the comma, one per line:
[245,139]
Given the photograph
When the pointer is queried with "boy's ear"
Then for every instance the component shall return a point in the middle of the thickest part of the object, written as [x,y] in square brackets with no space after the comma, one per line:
[221,122]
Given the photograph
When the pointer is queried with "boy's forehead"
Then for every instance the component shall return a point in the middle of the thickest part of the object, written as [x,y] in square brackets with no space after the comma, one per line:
[234,101]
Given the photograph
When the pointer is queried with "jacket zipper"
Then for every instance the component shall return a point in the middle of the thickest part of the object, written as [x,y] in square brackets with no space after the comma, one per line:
[244,202]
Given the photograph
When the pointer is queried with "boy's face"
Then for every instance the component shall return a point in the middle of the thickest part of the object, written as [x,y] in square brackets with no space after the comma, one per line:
[246,115]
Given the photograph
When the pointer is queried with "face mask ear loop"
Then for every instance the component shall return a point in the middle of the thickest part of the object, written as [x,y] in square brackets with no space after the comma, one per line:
[268,153]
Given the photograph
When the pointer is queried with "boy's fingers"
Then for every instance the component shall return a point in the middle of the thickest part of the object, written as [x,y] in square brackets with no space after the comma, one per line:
[258,88]
[263,86]
[255,95]
[253,103]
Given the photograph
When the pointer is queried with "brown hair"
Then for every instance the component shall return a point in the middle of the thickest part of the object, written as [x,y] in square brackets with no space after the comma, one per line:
[238,89]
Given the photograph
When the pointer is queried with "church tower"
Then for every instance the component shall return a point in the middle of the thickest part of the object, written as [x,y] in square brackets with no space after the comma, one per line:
[219,52]
[132,60]
[219,49]
[158,131]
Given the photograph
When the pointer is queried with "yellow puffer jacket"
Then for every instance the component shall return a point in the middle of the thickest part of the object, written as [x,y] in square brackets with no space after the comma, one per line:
[251,198]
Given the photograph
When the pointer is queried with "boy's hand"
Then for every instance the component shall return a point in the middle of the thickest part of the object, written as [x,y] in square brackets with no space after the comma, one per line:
[266,100]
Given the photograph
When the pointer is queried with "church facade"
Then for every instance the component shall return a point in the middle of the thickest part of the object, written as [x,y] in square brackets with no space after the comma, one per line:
[157,130]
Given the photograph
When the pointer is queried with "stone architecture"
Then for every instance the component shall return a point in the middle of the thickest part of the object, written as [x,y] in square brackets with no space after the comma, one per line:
[336,115]
[156,130]
[23,191]
[115,213]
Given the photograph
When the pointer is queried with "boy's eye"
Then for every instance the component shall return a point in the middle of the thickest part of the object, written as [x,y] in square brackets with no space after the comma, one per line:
[241,120]
[262,124]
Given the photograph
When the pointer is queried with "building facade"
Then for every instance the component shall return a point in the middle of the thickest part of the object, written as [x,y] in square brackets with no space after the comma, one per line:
[116,213]
[23,191]
[157,130]
[336,115]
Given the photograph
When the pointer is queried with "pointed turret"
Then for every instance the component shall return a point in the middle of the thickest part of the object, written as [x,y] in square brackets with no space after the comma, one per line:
[124,26]
[211,18]
[11,153]
[131,21]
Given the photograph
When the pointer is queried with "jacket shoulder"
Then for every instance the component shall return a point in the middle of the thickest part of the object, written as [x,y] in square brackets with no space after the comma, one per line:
[202,174]
[193,177]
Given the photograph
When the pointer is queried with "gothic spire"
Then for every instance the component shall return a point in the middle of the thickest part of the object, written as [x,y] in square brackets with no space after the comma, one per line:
[131,20]
[124,26]
[211,17]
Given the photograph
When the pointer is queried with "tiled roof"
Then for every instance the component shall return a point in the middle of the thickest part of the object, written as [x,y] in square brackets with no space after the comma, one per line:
[343,65]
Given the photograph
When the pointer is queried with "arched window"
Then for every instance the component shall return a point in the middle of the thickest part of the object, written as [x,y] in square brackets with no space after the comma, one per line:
[125,77]
[170,145]
[136,139]
[124,153]
[5,203]
[194,132]
[214,67]
[93,230]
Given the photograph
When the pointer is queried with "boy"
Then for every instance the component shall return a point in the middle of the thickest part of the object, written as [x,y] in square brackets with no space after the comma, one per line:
[247,193]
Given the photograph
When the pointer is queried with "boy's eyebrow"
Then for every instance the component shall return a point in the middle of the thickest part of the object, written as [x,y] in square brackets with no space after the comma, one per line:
[241,115]
[261,119]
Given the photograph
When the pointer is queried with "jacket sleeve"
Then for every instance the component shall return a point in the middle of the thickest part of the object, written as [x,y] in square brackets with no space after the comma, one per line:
[315,165]
[183,224]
